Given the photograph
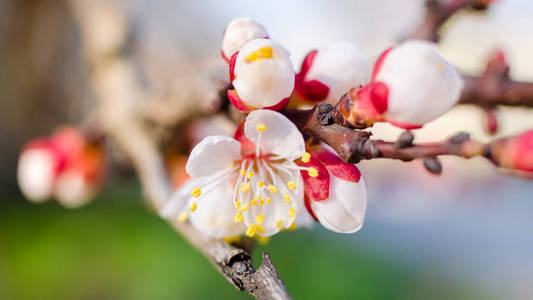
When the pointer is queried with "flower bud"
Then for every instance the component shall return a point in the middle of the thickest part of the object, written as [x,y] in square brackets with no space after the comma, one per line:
[517,152]
[329,72]
[262,75]
[238,32]
[412,84]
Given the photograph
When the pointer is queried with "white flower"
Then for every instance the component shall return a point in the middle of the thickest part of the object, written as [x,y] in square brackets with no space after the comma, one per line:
[330,71]
[262,75]
[422,85]
[338,200]
[238,32]
[251,179]
[72,189]
[37,172]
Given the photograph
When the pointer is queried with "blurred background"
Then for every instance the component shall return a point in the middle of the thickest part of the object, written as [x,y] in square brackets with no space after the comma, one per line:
[467,234]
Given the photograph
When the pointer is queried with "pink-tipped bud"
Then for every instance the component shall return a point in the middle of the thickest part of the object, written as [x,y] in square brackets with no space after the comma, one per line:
[238,32]
[329,72]
[422,85]
[262,75]
[517,152]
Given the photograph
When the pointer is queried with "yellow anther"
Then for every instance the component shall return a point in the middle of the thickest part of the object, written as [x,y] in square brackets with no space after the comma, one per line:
[261,127]
[252,229]
[193,206]
[250,174]
[263,239]
[260,228]
[244,207]
[260,184]
[259,219]
[269,200]
[183,216]
[291,185]
[440,67]
[237,204]
[312,172]
[293,226]
[272,189]
[261,53]
[292,212]
[232,239]
[279,224]
[196,192]
[261,202]
[306,157]
[243,172]
[287,198]
[238,218]
[245,186]
[253,202]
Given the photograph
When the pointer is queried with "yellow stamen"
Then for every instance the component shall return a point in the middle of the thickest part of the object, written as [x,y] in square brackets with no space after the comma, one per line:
[440,67]
[279,224]
[238,218]
[291,185]
[261,53]
[245,186]
[292,212]
[272,189]
[260,184]
[287,198]
[293,226]
[196,192]
[232,239]
[250,174]
[193,206]
[263,239]
[261,202]
[244,207]
[269,200]
[312,172]
[261,127]
[243,172]
[237,204]
[183,216]
[253,202]
[306,157]
[260,229]
[252,229]
[259,219]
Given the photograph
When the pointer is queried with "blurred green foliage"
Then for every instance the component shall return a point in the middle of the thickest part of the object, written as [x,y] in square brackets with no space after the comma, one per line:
[115,248]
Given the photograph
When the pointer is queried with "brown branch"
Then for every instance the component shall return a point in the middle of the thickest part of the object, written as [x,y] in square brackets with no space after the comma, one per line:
[119,118]
[438,12]
[355,145]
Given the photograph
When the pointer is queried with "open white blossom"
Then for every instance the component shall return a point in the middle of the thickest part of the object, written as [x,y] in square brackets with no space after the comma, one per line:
[251,180]
[238,32]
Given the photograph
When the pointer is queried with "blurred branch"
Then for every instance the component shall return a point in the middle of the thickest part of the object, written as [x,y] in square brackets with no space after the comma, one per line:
[355,145]
[117,89]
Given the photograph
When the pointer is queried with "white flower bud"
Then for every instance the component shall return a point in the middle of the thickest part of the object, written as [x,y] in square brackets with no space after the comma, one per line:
[263,74]
[238,32]
[338,66]
[422,85]
[36,173]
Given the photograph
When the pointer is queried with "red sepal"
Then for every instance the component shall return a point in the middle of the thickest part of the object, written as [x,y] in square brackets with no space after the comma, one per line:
[379,63]
[313,90]
[379,94]
[306,64]
[232,66]
[317,188]
[307,205]
[224,56]
[405,126]
[521,152]
[335,165]
[247,146]
[280,105]
[237,102]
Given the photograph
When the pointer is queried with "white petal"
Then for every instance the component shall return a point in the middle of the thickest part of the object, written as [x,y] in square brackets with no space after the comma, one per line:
[240,31]
[212,154]
[281,136]
[214,215]
[264,82]
[177,202]
[340,66]
[422,84]
[72,190]
[35,174]
[344,210]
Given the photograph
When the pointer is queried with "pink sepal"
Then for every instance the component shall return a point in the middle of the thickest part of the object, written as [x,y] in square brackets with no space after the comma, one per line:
[336,166]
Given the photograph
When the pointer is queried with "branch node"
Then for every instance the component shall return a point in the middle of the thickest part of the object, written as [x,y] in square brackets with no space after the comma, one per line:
[325,114]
